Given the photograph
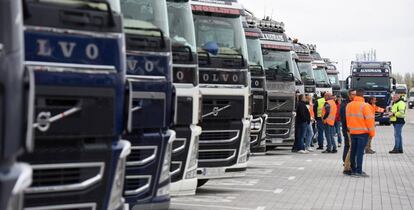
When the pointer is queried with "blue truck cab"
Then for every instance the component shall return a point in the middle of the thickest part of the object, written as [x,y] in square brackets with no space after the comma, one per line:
[16,107]
[323,84]
[76,51]
[375,78]
[224,143]
[150,108]
[258,83]
[187,102]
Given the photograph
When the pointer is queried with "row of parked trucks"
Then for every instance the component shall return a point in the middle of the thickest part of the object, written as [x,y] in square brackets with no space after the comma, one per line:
[119,104]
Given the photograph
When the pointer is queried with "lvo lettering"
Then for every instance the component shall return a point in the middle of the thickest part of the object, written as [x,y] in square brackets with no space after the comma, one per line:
[66,48]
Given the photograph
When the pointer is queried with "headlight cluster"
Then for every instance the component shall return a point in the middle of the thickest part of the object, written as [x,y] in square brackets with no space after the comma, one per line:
[245,147]
[165,169]
[193,162]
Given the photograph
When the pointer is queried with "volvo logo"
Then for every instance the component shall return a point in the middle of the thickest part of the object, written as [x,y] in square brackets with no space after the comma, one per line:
[66,48]
[216,111]
[44,119]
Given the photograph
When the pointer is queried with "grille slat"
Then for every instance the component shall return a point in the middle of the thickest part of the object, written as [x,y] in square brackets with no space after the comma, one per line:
[216,155]
[224,136]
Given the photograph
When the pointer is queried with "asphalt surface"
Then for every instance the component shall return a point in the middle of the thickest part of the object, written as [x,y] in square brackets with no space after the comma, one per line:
[285,180]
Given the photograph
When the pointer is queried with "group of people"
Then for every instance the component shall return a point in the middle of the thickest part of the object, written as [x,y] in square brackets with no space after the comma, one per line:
[349,118]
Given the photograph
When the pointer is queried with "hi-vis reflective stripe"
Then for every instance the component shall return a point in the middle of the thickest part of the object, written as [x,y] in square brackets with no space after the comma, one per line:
[361,129]
[360,114]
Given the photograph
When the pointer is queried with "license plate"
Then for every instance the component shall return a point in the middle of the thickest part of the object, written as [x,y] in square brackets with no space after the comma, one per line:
[277,141]
[214,171]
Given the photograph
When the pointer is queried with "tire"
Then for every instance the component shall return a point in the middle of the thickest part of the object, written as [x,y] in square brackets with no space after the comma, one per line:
[201,182]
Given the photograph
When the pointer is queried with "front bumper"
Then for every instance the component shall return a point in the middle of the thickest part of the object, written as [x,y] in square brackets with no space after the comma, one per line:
[238,170]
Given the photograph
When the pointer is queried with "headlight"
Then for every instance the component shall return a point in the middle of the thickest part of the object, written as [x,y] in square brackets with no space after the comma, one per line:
[116,199]
[193,158]
[164,191]
[165,169]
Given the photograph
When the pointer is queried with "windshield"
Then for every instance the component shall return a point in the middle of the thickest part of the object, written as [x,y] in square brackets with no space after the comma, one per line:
[226,33]
[306,71]
[255,51]
[321,77]
[115,4]
[412,94]
[180,19]
[279,60]
[145,14]
[333,78]
[296,71]
[372,83]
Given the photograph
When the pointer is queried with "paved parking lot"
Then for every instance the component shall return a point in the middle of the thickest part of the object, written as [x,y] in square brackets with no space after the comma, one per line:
[283,180]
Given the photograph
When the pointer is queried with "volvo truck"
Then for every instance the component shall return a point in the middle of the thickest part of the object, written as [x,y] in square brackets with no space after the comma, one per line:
[224,84]
[375,78]
[279,67]
[16,107]
[402,90]
[76,50]
[150,105]
[333,75]
[258,83]
[306,72]
[187,101]
[323,84]
[299,84]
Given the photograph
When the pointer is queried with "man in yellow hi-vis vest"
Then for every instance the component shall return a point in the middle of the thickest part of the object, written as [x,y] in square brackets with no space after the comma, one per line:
[397,118]
[317,109]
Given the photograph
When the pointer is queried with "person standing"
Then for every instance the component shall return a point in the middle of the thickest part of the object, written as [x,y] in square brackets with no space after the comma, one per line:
[328,116]
[302,122]
[361,126]
[309,130]
[397,118]
[319,123]
[348,97]
[338,102]
[373,103]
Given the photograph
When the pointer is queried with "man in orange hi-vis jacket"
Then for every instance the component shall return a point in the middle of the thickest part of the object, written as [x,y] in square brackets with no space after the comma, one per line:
[375,109]
[361,125]
[328,116]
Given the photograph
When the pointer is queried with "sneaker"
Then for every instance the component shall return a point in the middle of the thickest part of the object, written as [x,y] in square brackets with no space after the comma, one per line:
[303,152]
[334,151]
[327,151]
[348,173]
[339,145]
[363,175]
[310,149]
[370,151]
[394,151]
[319,148]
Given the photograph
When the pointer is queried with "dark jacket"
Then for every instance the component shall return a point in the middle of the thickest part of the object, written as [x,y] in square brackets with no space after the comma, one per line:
[342,112]
[302,113]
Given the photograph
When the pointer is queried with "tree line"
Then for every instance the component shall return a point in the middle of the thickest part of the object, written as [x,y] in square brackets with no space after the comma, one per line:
[407,78]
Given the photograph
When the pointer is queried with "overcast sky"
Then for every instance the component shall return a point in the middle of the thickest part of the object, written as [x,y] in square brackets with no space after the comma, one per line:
[343,28]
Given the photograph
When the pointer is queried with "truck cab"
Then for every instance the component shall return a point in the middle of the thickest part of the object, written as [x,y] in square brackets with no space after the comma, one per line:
[16,107]
[402,90]
[224,85]
[76,51]
[258,83]
[299,84]
[280,82]
[306,72]
[333,75]
[187,101]
[150,104]
[375,78]
[323,84]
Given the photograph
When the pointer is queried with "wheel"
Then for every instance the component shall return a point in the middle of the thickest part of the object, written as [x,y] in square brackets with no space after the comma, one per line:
[201,182]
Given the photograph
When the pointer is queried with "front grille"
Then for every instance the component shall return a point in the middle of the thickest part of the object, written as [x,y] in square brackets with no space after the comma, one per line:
[216,155]
[278,120]
[253,139]
[219,136]
[65,177]
[141,155]
[137,184]
[277,131]
[77,206]
[175,167]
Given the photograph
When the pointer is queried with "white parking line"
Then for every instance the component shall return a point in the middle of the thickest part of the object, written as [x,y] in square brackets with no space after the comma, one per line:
[278,191]
[261,208]
[209,206]
[240,189]
[291,178]
[308,160]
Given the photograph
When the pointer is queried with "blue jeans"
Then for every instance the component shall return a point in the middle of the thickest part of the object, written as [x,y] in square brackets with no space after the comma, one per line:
[300,138]
[359,142]
[338,131]
[320,126]
[309,135]
[329,133]
[398,136]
